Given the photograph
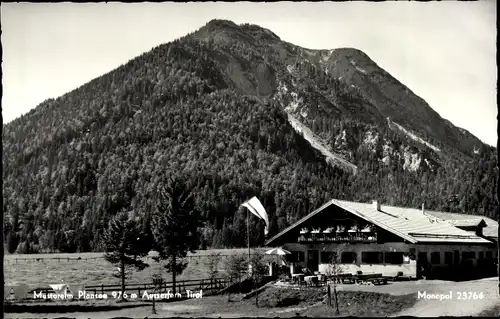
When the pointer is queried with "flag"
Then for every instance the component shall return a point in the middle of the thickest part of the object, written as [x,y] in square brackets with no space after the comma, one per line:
[256,208]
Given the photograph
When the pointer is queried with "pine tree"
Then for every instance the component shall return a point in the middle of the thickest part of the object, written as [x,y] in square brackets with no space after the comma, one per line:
[12,240]
[176,226]
[125,243]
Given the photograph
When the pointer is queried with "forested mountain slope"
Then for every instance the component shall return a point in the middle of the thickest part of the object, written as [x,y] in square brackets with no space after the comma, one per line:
[214,106]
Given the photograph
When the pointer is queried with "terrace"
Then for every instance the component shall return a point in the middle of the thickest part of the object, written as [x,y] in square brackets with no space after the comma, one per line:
[337,237]
[340,235]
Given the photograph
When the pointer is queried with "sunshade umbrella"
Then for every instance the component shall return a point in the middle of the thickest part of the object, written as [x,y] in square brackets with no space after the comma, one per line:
[278,252]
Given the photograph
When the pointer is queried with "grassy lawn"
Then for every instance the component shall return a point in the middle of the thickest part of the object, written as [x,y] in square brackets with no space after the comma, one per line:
[364,304]
[281,301]
[273,301]
[274,297]
[27,270]
[312,302]
[69,306]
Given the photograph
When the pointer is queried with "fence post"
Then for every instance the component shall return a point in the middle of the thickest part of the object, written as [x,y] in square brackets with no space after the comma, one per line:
[154,309]
[329,296]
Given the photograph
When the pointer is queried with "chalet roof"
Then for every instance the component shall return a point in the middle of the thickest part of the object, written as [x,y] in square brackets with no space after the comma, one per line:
[490,230]
[408,223]
[467,222]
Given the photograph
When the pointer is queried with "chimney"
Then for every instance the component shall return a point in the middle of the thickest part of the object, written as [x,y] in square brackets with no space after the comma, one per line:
[376,205]
[479,231]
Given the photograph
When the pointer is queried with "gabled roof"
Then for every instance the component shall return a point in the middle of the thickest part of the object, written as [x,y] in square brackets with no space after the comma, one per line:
[478,222]
[490,230]
[299,222]
[407,223]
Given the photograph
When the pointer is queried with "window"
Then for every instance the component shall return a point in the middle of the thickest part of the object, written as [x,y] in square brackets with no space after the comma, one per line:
[481,255]
[422,257]
[348,257]
[435,257]
[489,255]
[448,258]
[326,257]
[296,256]
[301,256]
[395,258]
[372,257]
[468,255]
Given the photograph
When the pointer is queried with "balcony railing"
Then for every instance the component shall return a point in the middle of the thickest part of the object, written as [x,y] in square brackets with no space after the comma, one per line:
[337,237]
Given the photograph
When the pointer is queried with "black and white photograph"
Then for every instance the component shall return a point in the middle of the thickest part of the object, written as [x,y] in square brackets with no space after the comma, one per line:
[250,159]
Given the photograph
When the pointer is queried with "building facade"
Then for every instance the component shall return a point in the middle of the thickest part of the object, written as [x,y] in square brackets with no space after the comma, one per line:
[392,241]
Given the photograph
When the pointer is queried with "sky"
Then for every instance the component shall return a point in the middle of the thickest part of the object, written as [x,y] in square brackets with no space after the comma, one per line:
[445,52]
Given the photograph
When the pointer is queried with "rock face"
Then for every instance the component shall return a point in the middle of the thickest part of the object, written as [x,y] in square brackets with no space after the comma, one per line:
[239,113]
[331,76]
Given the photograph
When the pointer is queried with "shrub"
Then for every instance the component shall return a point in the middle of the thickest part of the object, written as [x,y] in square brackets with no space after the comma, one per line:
[235,265]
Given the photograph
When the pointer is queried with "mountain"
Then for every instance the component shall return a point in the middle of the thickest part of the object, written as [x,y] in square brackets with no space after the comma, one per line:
[237,112]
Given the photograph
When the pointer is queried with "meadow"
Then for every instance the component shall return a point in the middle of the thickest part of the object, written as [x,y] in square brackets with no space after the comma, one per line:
[40,270]
[272,302]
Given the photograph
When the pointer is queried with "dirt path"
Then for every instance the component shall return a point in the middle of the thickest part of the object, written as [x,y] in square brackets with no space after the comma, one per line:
[215,307]
[210,307]
[461,302]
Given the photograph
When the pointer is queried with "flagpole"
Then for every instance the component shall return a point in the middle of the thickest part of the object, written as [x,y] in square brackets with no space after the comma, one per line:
[258,211]
[248,237]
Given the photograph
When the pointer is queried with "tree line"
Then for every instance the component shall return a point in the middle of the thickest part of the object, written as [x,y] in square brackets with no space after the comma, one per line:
[73,163]
[172,232]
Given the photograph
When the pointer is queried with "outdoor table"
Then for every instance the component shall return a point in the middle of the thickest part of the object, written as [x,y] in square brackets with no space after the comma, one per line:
[367,276]
[321,277]
[364,277]
[342,278]
[298,277]
[313,280]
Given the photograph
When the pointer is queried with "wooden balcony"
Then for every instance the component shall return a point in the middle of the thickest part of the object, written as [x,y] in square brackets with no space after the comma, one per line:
[359,237]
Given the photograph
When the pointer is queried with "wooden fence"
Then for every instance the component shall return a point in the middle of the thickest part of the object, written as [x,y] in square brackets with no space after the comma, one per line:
[43,259]
[68,259]
[208,286]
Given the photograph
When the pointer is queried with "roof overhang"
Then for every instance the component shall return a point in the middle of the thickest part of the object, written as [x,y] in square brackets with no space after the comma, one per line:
[468,223]
[348,209]
[298,223]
